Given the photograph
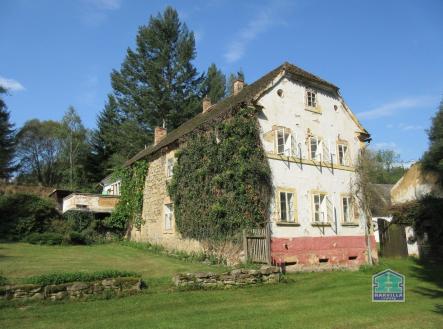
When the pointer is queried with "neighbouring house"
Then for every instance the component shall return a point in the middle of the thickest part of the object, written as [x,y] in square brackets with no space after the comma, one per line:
[103,203]
[414,185]
[311,140]
[58,195]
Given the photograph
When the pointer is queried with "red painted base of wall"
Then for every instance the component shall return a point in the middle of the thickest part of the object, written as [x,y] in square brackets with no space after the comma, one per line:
[333,250]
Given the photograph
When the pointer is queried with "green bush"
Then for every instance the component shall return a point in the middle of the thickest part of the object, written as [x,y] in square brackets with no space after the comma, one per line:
[65,277]
[3,280]
[47,238]
[78,238]
[23,214]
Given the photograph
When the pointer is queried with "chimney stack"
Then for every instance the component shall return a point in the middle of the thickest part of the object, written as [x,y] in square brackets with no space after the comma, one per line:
[159,134]
[237,86]
[206,104]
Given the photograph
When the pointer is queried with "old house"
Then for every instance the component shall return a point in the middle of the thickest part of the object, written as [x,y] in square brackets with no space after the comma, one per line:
[311,140]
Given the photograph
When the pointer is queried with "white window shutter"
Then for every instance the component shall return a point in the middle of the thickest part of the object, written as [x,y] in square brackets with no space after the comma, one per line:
[326,151]
[329,209]
[294,139]
[348,160]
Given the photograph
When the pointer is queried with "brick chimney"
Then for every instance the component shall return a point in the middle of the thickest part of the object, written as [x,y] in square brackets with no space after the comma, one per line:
[237,86]
[159,134]
[206,104]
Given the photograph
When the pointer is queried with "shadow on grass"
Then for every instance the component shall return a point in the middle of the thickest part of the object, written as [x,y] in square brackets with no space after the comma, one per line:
[431,271]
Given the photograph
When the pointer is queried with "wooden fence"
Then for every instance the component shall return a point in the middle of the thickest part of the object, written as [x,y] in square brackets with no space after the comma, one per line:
[257,244]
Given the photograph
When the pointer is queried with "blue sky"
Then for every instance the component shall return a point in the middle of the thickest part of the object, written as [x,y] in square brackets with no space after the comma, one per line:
[386,56]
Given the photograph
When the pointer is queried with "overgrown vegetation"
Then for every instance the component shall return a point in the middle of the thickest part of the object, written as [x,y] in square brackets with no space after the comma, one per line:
[23,214]
[221,182]
[65,277]
[425,216]
[129,209]
[182,255]
[433,158]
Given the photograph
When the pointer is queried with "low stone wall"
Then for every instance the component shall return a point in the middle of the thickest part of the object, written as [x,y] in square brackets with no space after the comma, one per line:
[238,277]
[73,290]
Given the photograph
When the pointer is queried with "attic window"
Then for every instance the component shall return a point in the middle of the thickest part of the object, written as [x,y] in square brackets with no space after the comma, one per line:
[311,98]
[280,92]
[335,108]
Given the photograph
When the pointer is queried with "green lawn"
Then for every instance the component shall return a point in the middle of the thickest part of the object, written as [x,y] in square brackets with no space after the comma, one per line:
[308,300]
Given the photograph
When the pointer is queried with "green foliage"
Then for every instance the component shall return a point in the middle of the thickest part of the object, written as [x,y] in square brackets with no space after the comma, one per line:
[65,277]
[382,168]
[3,280]
[22,214]
[129,208]
[214,85]
[47,238]
[157,81]
[221,182]
[7,140]
[179,254]
[433,158]
[425,216]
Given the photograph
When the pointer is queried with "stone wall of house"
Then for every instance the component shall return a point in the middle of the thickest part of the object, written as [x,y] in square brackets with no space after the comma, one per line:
[155,197]
[72,290]
[238,277]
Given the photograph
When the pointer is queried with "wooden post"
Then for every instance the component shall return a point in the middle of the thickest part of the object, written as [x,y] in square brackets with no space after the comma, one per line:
[245,245]
[268,241]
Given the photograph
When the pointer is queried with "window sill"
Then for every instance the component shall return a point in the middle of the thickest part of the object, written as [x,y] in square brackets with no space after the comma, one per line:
[321,224]
[313,110]
[350,224]
[168,232]
[287,224]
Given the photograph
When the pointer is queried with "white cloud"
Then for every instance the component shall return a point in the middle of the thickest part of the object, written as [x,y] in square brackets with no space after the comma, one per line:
[391,108]
[95,12]
[404,126]
[11,84]
[261,22]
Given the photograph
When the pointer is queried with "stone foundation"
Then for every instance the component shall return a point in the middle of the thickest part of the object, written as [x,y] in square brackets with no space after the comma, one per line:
[72,290]
[234,278]
[326,251]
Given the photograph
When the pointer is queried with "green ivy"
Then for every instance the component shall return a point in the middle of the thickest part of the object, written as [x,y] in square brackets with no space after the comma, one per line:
[129,208]
[221,182]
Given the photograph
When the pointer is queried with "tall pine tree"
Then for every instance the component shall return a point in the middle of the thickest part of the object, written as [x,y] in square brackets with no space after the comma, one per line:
[214,85]
[7,144]
[157,83]
[433,158]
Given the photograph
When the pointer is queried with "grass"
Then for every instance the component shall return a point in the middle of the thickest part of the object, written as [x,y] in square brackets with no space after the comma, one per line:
[307,300]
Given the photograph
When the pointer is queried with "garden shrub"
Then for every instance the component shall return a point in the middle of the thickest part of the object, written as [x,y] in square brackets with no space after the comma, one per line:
[425,216]
[23,214]
[78,238]
[47,238]
[221,182]
[3,280]
[65,277]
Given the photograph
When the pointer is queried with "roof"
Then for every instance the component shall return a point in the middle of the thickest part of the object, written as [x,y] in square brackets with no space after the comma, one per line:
[247,95]
[381,201]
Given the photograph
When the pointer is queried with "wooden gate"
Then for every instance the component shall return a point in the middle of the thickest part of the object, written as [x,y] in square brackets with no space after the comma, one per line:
[257,244]
[392,239]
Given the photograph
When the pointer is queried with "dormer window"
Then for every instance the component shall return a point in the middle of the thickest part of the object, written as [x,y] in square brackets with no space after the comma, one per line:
[311,98]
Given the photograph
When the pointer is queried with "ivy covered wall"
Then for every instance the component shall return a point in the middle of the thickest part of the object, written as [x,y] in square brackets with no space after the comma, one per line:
[129,208]
[222,180]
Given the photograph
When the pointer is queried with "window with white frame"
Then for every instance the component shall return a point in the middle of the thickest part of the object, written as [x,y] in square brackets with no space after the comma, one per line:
[287,207]
[284,142]
[169,167]
[346,202]
[311,98]
[343,154]
[322,208]
[169,213]
[315,150]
